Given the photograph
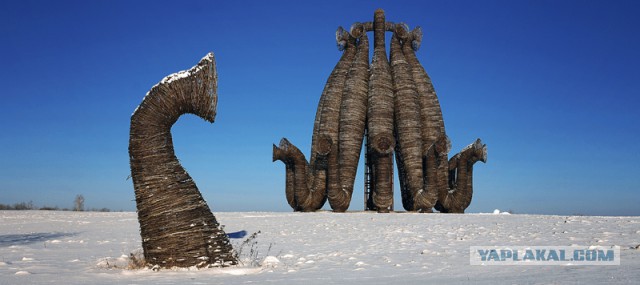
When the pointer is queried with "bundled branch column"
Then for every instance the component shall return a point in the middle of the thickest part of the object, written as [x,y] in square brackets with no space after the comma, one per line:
[380,119]
[408,131]
[313,180]
[353,114]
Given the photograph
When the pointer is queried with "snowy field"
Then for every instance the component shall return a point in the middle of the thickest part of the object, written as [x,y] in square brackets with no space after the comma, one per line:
[48,247]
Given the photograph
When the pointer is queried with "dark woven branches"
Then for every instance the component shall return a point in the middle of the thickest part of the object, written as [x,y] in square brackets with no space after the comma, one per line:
[393,103]
[457,197]
[408,135]
[320,176]
[330,122]
[431,114]
[432,123]
[380,119]
[301,195]
[353,114]
[176,224]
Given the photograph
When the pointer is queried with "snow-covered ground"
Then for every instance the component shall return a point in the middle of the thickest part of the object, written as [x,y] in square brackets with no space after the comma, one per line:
[48,247]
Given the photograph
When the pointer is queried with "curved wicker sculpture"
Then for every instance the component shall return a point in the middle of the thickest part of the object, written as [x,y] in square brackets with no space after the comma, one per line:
[176,225]
[395,105]
[456,190]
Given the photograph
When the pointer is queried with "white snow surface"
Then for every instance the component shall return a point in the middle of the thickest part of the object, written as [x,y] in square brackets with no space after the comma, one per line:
[49,247]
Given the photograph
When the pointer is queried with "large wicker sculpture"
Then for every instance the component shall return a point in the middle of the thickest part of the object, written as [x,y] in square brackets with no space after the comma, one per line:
[176,225]
[394,107]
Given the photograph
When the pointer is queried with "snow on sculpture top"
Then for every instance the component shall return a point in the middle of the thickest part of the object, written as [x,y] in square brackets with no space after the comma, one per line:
[208,62]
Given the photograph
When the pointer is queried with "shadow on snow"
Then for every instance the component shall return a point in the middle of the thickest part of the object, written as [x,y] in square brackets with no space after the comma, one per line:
[22,239]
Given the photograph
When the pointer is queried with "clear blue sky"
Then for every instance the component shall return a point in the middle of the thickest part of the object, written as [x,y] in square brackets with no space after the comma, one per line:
[550,86]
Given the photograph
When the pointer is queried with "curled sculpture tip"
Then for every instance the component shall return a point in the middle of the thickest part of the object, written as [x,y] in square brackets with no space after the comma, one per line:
[484,153]
[208,58]
[284,143]
[276,153]
[481,149]
[401,30]
[416,35]
[356,30]
[404,25]
[379,11]
[341,38]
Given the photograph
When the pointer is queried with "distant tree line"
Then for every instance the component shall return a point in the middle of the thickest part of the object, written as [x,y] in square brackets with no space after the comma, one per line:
[78,205]
[30,206]
[18,206]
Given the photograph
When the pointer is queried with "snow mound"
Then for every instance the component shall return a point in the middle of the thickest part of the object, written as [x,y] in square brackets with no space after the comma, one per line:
[110,262]
[497,212]
[270,261]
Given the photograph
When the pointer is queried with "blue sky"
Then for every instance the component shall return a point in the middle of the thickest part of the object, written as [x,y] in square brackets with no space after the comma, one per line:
[550,86]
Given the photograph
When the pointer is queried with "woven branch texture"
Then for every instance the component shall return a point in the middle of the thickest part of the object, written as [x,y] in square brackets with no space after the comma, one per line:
[380,119]
[353,115]
[176,225]
[393,105]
